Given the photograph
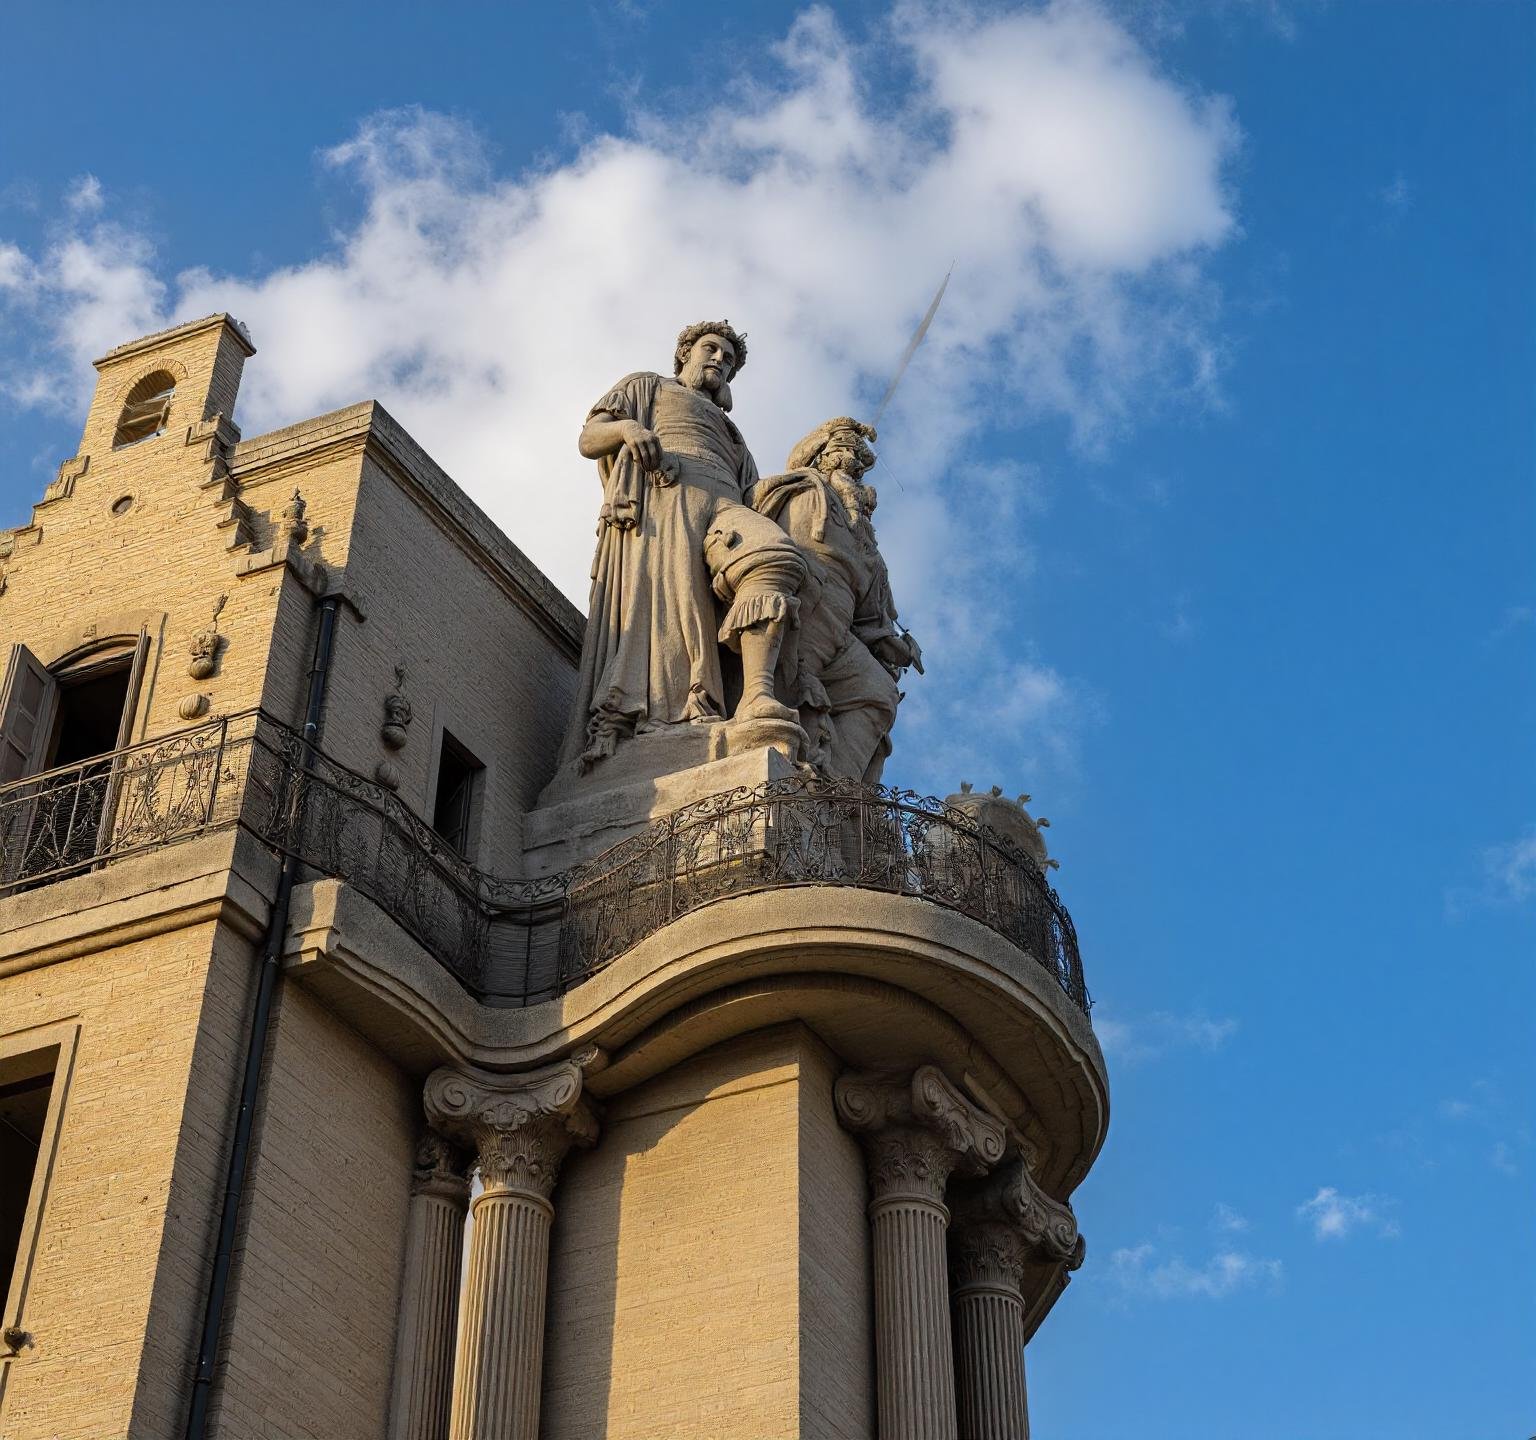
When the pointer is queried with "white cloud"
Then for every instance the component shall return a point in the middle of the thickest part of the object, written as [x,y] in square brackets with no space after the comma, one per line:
[1152,1036]
[1510,869]
[84,196]
[1140,1270]
[1334,1216]
[1077,189]
[1228,1220]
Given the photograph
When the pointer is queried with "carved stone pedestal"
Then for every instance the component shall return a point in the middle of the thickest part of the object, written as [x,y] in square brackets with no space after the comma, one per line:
[521,1127]
[915,1133]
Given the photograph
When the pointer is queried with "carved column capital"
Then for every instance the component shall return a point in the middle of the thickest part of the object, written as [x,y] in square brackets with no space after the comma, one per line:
[519,1125]
[441,1168]
[1010,1201]
[989,1256]
[917,1131]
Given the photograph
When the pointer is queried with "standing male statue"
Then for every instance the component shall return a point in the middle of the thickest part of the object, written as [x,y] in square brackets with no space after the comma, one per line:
[682,564]
[849,649]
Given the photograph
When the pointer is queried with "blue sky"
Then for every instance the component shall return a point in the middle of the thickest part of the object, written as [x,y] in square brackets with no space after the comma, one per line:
[1210,498]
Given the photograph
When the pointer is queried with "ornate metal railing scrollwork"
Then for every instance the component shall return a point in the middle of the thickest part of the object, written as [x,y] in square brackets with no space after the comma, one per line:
[71,818]
[521,941]
[810,831]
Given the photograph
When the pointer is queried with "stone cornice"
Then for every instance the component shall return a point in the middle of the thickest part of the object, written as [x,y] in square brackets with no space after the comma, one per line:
[176,332]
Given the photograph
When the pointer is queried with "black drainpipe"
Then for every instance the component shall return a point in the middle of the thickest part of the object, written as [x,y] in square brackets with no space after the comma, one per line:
[250,1085]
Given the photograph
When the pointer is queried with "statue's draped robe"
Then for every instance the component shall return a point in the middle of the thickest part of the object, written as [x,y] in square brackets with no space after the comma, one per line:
[651,654]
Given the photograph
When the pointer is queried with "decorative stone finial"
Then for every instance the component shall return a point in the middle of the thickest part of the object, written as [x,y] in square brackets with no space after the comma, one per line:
[1007,818]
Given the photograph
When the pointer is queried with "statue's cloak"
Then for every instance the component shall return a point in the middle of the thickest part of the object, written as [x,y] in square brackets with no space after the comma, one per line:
[651,653]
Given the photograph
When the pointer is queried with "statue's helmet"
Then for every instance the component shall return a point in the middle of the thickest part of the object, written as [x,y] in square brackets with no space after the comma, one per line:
[724,330]
[842,432]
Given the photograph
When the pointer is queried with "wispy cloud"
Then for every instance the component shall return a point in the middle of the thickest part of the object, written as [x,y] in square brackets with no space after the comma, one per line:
[1483,1111]
[1511,868]
[1506,877]
[1143,1270]
[1227,1220]
[84,196]
[1335,1216]
[1397,194]
[1150,1037]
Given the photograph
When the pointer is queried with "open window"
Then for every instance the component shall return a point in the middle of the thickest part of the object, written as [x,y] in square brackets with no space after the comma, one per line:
[146,411]
[63,725]
[455,812]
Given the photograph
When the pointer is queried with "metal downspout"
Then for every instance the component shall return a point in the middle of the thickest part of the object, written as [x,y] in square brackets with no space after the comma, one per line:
[250,1085]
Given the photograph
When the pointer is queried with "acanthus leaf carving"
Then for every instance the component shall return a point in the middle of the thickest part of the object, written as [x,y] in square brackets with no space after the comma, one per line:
[918,1131]
[519,1125]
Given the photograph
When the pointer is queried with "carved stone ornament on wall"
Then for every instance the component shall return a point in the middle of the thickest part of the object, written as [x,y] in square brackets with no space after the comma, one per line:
[397,713]
[192,707]
[295,528]
[441,1168]
[205,643]
[395,730]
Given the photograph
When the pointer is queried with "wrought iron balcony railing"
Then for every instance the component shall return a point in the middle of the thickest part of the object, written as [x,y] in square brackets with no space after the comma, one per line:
[521,941]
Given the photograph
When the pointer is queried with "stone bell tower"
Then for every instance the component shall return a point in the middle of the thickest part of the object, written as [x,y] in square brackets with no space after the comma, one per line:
[428,1012]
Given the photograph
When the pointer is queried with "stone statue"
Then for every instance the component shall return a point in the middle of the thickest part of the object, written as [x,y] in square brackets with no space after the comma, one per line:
[683,565]
[841,667]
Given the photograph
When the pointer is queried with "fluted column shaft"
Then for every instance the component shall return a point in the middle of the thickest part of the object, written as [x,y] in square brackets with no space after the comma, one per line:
[915,1133]
[429,1300]
[521,1127]
[501,1340]
[914,1368]
[989,1335]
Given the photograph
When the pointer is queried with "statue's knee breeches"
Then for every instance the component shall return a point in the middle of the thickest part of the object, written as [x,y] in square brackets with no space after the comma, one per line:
[754,567]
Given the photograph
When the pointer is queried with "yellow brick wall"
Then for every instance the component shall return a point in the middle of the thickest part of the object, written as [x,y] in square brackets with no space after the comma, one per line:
[680,1303]
[311,1326]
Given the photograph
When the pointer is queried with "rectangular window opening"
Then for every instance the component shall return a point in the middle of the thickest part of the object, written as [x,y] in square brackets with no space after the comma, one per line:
[26,1087]
[458,785]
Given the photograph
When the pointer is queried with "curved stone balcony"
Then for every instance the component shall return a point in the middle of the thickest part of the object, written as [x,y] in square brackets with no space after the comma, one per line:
[520,942]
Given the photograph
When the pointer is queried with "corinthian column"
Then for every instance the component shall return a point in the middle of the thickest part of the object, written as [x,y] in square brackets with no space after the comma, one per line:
[429,1298]
[1003,1226]
[915,1133]
[521,1127]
